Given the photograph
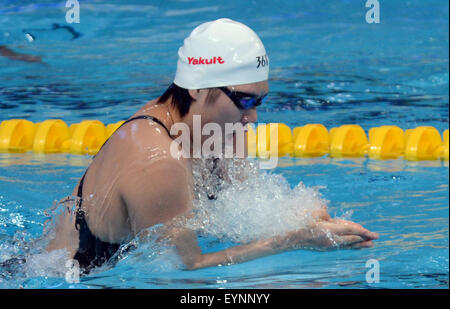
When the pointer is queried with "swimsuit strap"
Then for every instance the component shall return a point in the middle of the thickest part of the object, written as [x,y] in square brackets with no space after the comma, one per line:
[151,118]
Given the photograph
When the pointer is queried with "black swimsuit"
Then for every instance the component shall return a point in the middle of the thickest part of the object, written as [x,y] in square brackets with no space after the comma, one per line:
[92,251]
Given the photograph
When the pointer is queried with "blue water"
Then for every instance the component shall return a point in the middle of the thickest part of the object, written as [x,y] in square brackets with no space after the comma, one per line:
[327,66]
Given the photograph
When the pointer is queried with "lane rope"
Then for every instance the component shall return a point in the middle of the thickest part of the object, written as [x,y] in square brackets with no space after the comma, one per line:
[310,140]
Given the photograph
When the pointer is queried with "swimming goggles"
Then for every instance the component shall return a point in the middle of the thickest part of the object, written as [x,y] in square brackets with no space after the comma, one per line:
[243,100]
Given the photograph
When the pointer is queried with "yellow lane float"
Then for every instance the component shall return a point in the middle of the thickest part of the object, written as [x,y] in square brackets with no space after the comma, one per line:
[273,139]
[445,146]
[348,141]
[264,141]
[86,137]
[50,136]
[423,143]
[16,135]
[386,142]
[311,140]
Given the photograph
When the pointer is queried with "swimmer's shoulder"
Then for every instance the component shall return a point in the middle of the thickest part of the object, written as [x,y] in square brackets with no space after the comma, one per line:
[141,133]
[146,142]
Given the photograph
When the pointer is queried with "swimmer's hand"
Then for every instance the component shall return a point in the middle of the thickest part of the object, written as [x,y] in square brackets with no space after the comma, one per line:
[327,233]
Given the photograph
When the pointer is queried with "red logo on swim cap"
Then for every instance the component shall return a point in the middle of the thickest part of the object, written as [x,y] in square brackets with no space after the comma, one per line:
[213,60]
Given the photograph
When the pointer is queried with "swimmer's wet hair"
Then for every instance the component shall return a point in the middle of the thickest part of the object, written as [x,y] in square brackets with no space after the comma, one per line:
[182,100]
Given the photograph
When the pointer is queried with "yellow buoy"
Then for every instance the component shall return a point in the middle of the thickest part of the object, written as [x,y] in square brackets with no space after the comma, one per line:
[348,141]
[386,142]
[16,135]
[311,140]
[445,150]
[50,136]
[274,139]
[87,137]
[422,143]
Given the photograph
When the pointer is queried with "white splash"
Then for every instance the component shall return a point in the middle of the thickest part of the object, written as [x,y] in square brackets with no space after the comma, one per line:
[250,204]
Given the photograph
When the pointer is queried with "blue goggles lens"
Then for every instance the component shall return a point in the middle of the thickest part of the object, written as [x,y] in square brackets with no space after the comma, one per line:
[251,102]
[243,100]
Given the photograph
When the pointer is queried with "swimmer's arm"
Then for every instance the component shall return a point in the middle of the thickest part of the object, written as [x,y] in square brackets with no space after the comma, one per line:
[186,243]
[345,234]
[156,193]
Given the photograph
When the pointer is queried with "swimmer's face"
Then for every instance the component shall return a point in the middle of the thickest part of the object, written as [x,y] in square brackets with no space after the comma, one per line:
[219,108]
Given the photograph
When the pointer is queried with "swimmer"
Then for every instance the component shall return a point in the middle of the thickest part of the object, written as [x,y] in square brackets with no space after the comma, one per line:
[134,182]
[5,51]
[30,32]
[8,53]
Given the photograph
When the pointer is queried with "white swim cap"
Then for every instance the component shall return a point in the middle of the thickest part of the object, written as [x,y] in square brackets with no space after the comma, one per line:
[221,53]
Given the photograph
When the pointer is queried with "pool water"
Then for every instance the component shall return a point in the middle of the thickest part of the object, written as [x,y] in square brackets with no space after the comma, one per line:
[328,66]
